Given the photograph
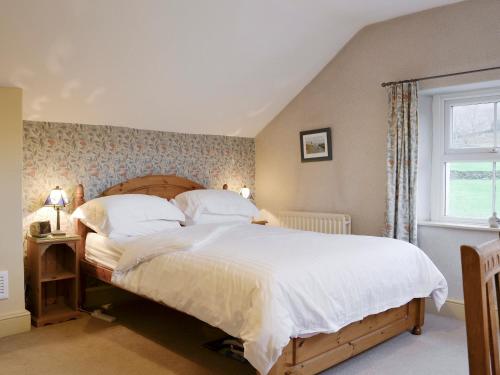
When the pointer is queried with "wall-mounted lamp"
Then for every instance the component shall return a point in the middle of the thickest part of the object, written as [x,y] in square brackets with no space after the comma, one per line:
[57,199]
[245,192]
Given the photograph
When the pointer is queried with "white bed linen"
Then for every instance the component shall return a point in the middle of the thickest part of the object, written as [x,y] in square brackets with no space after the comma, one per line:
[266,284]
[103,250]
[142,249]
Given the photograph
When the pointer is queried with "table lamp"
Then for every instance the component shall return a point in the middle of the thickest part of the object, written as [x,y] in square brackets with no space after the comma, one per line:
[57,199]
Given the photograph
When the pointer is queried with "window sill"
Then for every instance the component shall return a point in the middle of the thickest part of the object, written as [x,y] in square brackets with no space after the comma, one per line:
[475,227]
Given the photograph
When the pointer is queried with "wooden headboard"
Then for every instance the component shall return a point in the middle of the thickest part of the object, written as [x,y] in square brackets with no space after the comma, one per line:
[165,186]
[162,186]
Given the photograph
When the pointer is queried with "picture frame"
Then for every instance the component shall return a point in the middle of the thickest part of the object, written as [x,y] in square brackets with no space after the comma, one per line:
[316,145]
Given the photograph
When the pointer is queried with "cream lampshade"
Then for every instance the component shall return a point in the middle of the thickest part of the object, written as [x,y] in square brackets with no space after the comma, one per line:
[57,199]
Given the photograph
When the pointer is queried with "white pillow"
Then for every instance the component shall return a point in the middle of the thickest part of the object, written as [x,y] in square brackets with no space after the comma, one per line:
[119,213]
[222,202]
[216,218]
[143,228]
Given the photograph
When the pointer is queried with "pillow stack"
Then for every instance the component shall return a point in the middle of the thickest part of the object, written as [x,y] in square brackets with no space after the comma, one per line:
[215,206]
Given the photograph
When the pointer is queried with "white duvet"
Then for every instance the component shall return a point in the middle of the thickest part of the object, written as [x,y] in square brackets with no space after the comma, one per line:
[265,285]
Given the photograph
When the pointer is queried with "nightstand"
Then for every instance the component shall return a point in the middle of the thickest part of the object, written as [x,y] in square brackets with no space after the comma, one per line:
[260,222]
[53,275]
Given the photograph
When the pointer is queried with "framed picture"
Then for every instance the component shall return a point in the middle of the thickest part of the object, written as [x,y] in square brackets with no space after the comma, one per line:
[316,145]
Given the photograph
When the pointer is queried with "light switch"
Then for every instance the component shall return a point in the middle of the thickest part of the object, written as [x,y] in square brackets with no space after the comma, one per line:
[4,284]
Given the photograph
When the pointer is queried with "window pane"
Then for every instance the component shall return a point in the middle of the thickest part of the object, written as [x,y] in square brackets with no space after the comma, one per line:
[472,125]
[469,188]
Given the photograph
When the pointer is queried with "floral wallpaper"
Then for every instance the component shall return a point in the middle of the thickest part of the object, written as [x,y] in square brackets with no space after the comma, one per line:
[102,156]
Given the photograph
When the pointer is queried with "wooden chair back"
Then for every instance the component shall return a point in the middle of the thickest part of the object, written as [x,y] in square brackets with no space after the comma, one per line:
[480,272]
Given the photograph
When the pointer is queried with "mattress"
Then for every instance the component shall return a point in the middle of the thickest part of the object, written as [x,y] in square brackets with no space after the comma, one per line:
[103,250]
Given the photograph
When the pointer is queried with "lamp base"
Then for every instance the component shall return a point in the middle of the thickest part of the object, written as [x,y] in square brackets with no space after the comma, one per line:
[58,233]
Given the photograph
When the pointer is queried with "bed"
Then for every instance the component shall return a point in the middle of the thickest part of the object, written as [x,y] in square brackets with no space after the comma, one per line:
[304,354]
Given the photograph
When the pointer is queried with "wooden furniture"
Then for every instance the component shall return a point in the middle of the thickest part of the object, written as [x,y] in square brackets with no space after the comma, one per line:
[301,356]
[317,353]
[165,186]
[260,222]
[53,270]
[481,283]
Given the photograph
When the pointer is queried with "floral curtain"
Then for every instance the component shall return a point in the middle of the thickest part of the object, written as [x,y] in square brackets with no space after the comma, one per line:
[402,154]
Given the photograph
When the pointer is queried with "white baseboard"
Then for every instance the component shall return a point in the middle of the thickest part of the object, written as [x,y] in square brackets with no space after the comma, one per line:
[18,322]
[452,308]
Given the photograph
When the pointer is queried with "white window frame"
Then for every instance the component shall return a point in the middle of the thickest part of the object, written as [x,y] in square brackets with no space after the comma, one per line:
[443,153]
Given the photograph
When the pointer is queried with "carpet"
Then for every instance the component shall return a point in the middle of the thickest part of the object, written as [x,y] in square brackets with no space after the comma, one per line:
[150,339]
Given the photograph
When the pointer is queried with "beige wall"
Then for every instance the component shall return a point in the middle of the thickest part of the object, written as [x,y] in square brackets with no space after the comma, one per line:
[347,96]
[13,316]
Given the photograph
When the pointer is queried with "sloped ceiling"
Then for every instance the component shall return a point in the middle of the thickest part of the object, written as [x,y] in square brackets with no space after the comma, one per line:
[195,66]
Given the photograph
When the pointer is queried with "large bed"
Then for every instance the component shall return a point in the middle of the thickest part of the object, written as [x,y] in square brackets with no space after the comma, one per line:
[283,277]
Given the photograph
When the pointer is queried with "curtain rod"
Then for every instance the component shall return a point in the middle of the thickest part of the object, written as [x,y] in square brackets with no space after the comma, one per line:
[384,84]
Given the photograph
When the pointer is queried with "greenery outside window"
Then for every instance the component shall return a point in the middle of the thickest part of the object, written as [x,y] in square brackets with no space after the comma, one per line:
[466,156]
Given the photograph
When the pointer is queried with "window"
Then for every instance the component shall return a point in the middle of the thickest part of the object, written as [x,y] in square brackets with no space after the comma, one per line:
[466,156]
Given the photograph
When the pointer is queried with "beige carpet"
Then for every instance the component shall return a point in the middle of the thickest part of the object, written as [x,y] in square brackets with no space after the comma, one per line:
[150,339]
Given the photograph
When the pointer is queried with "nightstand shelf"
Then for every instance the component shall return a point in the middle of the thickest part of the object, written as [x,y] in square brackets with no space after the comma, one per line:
[56,309]
[56,313]
[62,275]
[53,267]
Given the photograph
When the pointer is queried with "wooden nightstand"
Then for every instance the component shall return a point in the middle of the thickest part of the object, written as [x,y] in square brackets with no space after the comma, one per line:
[53,275]
[260,222]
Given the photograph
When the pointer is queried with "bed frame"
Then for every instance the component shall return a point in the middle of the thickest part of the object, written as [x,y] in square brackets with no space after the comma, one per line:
[302,356]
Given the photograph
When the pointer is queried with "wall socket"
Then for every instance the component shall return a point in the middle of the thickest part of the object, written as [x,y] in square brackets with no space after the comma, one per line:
[4,284]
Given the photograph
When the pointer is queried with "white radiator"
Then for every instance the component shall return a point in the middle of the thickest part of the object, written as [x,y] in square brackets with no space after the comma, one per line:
[316,221]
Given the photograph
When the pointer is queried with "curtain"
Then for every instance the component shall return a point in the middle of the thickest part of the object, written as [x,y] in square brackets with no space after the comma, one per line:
[402,155]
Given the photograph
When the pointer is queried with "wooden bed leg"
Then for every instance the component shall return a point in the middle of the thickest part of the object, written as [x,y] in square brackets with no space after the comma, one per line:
[419,316]
[417,331]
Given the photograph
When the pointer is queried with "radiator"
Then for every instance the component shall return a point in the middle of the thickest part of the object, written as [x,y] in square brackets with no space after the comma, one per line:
[316,221]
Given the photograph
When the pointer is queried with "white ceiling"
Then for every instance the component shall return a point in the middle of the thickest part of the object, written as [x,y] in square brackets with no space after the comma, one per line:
[195,66]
